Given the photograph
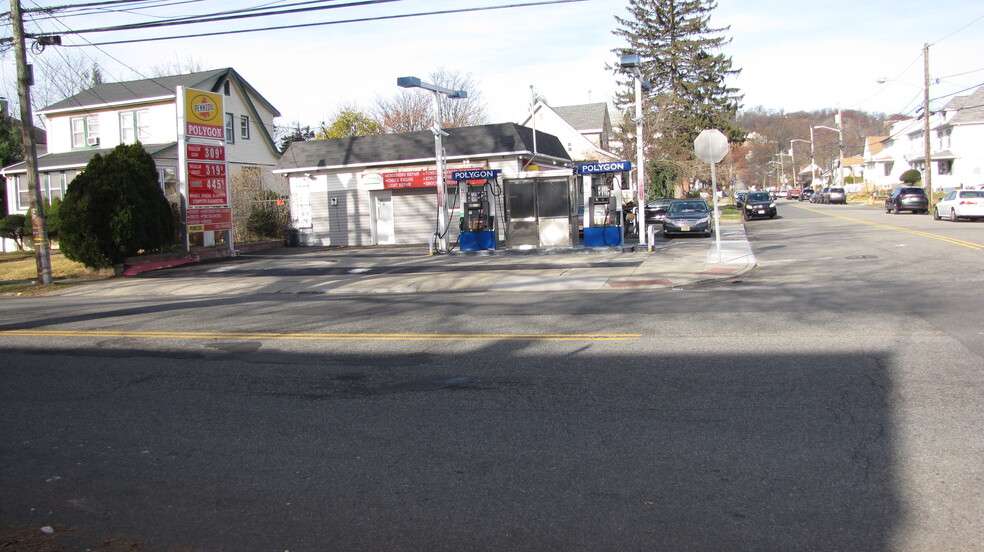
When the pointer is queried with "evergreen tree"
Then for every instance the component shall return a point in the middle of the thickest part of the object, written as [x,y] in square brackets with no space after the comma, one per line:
[681,59]
[115,209]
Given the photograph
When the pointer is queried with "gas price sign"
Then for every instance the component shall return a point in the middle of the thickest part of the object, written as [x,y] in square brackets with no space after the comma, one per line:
[207,185]
[204,152]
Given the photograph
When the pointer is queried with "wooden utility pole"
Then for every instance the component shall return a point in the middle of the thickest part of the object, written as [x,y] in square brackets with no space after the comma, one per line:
[928,173]
[42,249]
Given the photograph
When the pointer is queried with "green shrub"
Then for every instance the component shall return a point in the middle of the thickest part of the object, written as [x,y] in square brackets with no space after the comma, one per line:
[910,176]
[12,227]
[115,209]
[264,222]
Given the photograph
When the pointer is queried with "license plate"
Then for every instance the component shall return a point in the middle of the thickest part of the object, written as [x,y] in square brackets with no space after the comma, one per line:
[685,228]
[761,211]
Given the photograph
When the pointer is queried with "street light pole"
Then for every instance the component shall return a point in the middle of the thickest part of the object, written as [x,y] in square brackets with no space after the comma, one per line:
[840,148]
[791,151]
[442,189]
[633,62]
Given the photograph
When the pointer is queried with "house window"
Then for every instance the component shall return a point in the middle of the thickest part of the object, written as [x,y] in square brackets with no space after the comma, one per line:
[169,180]
[134,126]
[226,89]
[943,137]
[230,127]
[85,131]
[944,167]
[244,127]
[888,168]
[23,193]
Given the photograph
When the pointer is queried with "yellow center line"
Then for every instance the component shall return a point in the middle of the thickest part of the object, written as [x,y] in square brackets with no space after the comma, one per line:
[325,336]
[955,241]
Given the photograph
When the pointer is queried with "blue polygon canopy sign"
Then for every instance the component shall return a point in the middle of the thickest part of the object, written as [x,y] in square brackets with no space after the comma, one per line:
[475,174]
[614,166]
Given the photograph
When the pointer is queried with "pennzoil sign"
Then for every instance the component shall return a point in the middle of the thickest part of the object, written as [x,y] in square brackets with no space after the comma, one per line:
[203,114]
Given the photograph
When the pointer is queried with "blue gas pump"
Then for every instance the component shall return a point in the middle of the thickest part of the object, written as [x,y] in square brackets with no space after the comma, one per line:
[477,226]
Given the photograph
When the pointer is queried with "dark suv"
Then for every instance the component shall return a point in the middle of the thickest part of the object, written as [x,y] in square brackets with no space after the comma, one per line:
[907,198]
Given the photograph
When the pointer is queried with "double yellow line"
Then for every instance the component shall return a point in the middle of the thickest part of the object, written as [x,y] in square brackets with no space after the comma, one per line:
[324,336]
[955,241]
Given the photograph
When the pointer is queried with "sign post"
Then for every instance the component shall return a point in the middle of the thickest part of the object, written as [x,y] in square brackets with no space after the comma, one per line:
[711,146]
[202,164]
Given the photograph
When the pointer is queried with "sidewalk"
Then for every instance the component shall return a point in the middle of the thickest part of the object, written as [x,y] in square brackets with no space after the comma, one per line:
[673,263]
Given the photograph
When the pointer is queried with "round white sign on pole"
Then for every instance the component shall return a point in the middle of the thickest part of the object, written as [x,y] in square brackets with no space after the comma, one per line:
[711,145]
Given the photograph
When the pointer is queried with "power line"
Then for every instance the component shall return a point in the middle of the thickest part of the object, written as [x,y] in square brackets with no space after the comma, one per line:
[227,16]
[324,23]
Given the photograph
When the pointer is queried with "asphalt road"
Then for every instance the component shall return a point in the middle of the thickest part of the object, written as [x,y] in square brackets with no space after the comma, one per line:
[828,400]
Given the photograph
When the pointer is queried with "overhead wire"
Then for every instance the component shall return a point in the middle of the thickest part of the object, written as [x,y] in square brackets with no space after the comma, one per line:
[324,23]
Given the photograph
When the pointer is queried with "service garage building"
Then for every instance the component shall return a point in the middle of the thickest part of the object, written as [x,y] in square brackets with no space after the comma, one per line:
[375,190]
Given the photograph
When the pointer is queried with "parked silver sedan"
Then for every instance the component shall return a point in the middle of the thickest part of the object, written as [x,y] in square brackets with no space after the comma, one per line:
[960,204]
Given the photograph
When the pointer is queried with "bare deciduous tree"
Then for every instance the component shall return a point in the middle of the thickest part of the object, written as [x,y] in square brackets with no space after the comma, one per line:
[412,109]
[177,67]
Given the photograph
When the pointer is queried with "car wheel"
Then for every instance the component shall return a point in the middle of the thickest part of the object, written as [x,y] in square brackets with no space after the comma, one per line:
[953,215]
[936,214]
[887,209]
[896,210]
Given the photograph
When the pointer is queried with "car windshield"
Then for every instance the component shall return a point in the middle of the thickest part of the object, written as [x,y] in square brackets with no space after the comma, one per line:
[659,203]
[917,191]
[688,207]
[759,196]
[837,190]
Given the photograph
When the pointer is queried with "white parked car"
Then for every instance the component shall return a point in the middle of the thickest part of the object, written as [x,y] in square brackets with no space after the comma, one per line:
[960,204]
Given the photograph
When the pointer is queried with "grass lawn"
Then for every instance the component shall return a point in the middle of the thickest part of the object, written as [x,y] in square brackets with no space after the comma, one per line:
[21,265]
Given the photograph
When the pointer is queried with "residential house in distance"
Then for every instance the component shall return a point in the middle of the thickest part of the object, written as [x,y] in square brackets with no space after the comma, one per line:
[584,130]
[956,147]
[96,120]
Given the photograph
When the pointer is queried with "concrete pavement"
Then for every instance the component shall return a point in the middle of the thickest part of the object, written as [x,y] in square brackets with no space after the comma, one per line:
[673,263]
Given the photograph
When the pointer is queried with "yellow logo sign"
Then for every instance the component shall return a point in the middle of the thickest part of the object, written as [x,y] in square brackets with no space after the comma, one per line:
[203,107]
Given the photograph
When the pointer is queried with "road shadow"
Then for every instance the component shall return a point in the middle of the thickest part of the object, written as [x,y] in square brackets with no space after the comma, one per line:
[248,446]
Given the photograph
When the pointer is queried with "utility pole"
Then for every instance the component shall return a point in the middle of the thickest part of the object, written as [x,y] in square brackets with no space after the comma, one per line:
[926,141]
[42,249]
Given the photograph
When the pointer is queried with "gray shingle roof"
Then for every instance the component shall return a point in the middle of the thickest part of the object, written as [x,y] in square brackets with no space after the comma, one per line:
[120,92]
[79,159]
[465,141]
[584,116]
[970,109]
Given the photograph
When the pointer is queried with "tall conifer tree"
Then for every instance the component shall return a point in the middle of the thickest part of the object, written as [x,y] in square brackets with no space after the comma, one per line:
[682,60]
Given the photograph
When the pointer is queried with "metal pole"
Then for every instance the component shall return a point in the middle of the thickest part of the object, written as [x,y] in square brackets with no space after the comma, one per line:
[442,191]
[717,216]
[813,162]
[42,249]
[926,141]
[840,148]
[640,161]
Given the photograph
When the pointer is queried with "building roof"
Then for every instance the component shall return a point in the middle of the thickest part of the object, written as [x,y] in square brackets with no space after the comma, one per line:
[497,139]
[79,159]
[159,87]
[876,144]
[585,116]
[970,109]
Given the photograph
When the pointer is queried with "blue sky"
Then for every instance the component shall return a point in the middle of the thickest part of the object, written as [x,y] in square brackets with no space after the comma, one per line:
[815,55]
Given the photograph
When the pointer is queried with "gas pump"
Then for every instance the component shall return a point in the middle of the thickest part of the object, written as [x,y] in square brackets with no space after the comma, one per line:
[603,224]
[477,223]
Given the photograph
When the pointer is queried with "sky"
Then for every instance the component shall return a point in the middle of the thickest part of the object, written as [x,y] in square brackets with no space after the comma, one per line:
[817,55]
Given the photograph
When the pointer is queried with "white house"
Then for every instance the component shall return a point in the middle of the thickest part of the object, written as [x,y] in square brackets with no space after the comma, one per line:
[98,119]
[584,130]
[956,147]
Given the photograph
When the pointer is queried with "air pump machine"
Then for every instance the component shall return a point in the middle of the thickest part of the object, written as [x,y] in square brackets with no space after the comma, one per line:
[477,226]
